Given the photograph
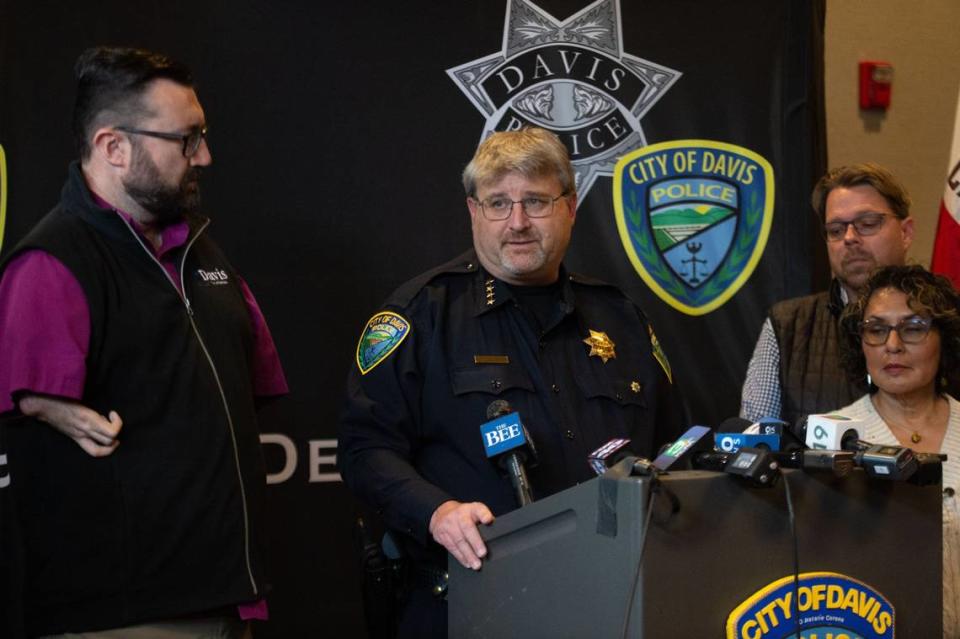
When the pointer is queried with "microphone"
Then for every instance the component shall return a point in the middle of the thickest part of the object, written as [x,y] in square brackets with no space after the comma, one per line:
[680,452]
[773,426]
[832,432]
[609,454]
[839,433]
[506,440]
[886,462]
[735,433]
[731,442]
[839,462]
[737,425]
[756,465]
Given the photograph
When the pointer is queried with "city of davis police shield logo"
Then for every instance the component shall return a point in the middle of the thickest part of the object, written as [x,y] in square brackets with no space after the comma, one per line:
[694,216]
[381,336]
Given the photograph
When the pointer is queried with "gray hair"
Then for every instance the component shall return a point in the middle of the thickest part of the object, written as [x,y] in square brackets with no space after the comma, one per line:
[531,152]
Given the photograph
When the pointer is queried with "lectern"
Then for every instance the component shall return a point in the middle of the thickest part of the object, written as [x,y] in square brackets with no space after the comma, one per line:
[563,566]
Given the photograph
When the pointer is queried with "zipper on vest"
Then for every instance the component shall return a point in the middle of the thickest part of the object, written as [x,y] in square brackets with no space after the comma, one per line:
[182,292]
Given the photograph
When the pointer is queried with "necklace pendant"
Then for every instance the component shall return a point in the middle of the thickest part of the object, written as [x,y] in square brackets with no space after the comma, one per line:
[915,438]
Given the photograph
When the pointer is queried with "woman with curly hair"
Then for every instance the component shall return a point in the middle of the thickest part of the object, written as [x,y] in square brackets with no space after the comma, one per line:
[903,334]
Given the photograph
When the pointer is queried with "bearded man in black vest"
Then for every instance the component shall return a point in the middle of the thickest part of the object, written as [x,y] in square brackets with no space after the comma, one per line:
[795,370]
[132,357]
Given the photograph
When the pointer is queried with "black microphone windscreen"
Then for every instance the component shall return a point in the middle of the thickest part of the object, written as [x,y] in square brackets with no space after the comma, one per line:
[799,428]
[734,425]
[498,408]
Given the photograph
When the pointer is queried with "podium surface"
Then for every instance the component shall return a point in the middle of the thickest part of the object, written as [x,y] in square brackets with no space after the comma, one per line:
[563,566]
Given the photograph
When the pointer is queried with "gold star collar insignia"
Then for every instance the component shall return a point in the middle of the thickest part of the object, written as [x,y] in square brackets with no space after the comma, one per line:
[491,295]
[600,345]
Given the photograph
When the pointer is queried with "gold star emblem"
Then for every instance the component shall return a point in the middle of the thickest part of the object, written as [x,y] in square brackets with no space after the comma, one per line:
[635,386]
[600,345]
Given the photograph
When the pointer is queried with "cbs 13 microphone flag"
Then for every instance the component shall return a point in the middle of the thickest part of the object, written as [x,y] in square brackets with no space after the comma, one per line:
[946,245]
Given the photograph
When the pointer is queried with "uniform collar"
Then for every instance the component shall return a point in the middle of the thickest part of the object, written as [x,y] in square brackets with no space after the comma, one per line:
[490,293]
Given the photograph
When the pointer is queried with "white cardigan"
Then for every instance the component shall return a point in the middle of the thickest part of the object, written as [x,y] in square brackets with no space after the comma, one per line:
[876,431]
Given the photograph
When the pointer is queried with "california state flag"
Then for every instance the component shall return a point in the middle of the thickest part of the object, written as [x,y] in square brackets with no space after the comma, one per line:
[946,246]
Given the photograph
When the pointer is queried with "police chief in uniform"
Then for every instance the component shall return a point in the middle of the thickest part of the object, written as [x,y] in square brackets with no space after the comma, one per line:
[505,321]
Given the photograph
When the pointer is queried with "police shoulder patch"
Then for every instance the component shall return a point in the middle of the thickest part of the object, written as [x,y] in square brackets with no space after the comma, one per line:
[382,335]
[659,355]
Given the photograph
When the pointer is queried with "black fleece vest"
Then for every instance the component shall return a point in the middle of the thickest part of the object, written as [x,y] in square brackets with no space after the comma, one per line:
[811,378]
[169,523]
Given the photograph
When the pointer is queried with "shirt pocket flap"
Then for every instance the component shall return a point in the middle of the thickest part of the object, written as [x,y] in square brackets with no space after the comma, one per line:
[493,380]
[626,392]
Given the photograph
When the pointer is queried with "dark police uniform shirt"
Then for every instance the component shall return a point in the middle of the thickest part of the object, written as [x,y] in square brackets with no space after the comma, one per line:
[455,339]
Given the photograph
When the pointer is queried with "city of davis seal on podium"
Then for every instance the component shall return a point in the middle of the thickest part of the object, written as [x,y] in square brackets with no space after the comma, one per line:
[694,216]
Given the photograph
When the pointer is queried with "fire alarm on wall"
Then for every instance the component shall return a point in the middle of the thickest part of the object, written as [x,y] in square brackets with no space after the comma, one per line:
[876,82]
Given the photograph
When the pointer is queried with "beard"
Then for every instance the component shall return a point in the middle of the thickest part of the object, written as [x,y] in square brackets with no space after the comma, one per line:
[166,203]
[856,268]
[519,264]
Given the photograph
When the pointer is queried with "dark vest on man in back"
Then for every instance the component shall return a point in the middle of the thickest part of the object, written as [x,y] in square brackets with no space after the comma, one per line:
[811,378]
[169,523]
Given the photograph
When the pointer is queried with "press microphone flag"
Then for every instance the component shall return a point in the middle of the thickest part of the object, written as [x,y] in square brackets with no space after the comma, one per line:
[828,432]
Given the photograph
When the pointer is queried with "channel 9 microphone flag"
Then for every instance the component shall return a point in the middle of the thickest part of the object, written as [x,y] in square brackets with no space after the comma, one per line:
[946,245]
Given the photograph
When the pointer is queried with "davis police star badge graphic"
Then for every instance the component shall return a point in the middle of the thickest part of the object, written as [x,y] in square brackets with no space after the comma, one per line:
[571,77]
[694,217]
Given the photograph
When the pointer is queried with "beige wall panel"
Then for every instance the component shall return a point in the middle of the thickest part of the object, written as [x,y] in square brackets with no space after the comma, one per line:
[920,39]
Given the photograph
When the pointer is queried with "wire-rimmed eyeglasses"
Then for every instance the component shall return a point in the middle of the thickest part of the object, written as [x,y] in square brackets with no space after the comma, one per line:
[499,208]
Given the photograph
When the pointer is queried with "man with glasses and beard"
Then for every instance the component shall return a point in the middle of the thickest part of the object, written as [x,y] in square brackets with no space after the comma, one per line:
[795,369]
[503,326]
[133,357]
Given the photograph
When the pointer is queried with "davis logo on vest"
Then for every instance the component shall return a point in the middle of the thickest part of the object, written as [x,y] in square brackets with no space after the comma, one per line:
[571,77]
[694,216]
[215,277]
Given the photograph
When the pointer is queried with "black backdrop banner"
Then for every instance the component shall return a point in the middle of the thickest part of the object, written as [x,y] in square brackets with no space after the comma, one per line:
[339,131]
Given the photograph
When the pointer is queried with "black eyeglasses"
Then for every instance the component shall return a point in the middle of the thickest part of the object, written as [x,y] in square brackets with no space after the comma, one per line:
[191,141]
[496,209]
[911,330]
[866,224]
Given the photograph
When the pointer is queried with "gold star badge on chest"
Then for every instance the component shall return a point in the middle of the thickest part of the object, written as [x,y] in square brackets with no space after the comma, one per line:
[600,345]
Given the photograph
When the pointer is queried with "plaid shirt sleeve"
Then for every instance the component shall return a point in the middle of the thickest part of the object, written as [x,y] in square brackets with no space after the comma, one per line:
[761,389]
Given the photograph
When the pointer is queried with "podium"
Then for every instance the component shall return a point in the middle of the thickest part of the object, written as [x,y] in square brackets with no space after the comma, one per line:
[564,566]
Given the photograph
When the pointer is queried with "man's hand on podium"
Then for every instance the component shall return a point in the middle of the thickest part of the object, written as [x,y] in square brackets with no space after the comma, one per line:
[454,526]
